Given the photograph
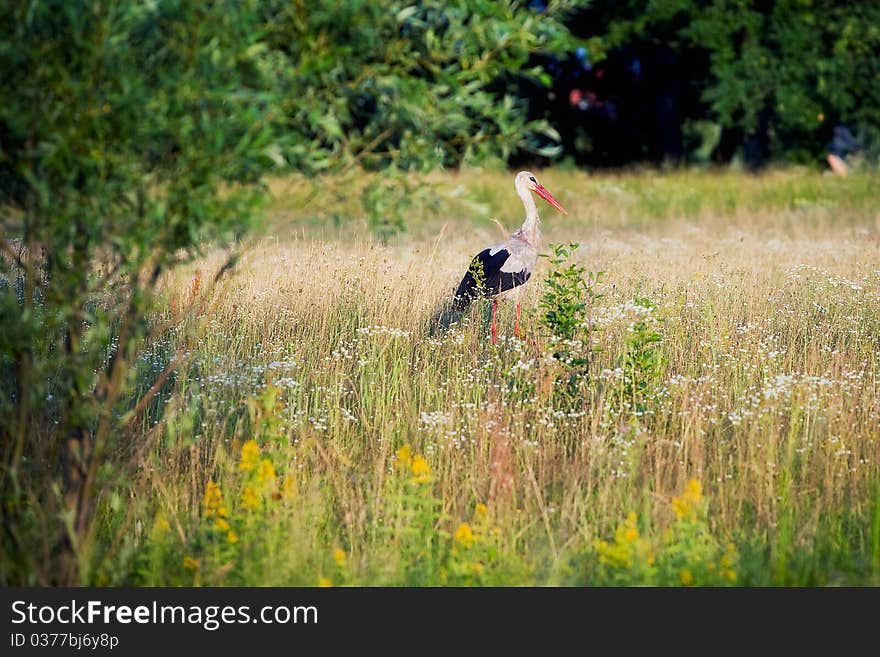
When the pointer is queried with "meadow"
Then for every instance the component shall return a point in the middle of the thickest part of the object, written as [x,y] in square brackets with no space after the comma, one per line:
[711,416]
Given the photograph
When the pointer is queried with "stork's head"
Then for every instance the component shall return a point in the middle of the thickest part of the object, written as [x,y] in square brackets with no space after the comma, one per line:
[526,180]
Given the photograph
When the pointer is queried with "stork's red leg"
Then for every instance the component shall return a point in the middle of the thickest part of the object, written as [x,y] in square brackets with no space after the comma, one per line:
[516,324]
[494,329]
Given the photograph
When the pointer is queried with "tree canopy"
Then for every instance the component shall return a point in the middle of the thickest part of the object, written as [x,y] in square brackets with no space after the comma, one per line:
[784,72]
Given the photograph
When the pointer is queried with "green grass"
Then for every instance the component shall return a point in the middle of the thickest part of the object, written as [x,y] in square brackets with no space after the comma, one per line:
[406,455]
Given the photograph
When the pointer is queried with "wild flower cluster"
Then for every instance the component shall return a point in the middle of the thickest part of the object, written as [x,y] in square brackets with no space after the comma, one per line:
[415,464]
[688,553]
[215,509]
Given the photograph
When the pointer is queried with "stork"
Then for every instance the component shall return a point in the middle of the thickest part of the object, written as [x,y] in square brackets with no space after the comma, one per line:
[501,271]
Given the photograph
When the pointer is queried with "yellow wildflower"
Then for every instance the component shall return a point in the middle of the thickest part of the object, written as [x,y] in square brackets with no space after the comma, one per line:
[232,537]
[213,501]
[477,567]
[250,455]
[221,525]
[421,470]
[266,474]
[612,554]
[191,564]
[464,536]
[339,557]
[728,563]
[161,525]
[404,456]
[288,489]
[324,583]
[686,577]
[728,559]
[249,498]
[629,532]
[481,512]
[688,505]
[628,546]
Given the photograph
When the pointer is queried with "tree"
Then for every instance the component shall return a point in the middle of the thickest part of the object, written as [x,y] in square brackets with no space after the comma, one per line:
[798,68]
[780,75]
[408,85]
[131,132]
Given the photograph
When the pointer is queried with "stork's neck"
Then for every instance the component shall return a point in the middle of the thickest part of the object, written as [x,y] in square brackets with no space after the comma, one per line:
[531,226]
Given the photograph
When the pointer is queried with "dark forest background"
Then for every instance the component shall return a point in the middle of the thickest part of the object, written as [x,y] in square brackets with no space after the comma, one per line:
[692,81]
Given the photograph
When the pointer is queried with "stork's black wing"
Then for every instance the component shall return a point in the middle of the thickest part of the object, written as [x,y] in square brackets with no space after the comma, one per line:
[485,278]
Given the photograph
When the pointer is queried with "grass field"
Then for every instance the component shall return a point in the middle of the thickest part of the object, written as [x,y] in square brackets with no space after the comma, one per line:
[715,421]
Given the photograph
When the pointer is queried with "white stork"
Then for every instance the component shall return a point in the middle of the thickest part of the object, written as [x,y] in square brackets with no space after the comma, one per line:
[501,271]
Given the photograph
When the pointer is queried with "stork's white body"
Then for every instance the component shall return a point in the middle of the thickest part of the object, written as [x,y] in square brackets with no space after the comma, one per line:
[507,266]
[523,246]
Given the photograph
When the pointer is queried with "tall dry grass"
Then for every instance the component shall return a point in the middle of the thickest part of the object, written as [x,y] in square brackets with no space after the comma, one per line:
[320,347]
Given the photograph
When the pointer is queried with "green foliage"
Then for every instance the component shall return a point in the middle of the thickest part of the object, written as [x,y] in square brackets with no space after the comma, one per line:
[414,86]
[642,362]
[565,308]
[415,512]
[799,60]
[392,198]
[784,68]
[478,272]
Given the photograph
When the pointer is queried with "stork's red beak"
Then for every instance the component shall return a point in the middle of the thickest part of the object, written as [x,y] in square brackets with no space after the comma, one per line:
[541,191]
